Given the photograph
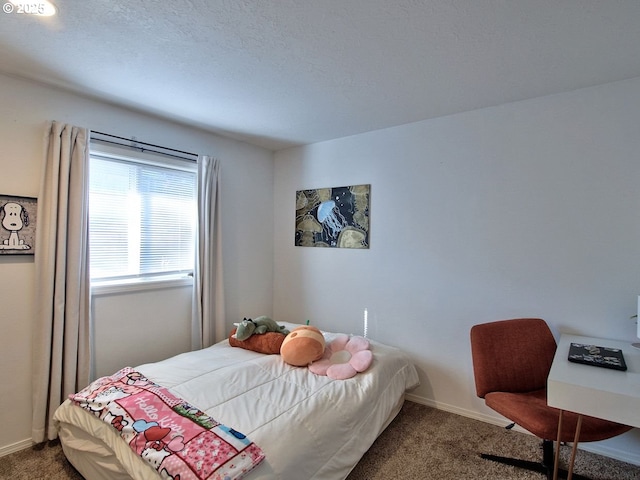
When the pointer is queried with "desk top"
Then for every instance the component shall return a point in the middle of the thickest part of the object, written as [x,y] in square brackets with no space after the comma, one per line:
[595,391]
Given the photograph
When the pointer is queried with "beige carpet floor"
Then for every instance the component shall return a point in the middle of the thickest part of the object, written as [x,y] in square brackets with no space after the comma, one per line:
[422,443]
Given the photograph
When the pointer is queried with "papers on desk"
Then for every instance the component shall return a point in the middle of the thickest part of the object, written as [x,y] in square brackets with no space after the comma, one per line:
[597,356]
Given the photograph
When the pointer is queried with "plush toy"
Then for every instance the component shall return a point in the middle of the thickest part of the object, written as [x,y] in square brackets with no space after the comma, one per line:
[269,342]
[260,325]
[344,357]
[302,346]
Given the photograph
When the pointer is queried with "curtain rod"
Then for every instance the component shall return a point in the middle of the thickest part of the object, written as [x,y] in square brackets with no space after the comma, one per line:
[135,144]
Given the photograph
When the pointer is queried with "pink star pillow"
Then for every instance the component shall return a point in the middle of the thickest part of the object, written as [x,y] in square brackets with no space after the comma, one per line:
[344,357]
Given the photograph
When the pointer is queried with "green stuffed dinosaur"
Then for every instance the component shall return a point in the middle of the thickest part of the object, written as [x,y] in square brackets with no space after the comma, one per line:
[260,325]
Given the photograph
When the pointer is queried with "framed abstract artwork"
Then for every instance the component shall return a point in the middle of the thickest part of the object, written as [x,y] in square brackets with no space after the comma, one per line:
[336,217]
[18,217]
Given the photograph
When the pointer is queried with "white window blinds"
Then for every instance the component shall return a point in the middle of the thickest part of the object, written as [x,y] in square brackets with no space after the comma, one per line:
[142,216]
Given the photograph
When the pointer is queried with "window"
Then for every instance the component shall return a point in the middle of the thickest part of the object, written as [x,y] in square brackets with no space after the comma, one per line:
[142,216]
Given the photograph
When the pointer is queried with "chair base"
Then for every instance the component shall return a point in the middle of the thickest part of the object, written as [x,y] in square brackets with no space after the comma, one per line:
[545,467]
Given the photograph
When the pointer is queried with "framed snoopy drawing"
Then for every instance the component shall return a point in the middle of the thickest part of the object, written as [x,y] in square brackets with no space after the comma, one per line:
[18,217]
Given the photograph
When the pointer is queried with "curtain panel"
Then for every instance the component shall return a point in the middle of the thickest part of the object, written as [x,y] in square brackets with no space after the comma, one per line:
[208,319]
[62,331]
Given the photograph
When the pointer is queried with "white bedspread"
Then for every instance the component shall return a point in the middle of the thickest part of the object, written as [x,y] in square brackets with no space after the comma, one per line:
[309,426]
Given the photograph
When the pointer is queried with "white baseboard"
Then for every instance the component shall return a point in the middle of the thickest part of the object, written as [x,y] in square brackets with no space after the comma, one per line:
[502,422]
[15,447]
[615,453]
[628,456]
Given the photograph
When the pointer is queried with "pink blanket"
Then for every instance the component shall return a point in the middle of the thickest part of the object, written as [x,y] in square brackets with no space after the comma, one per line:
[175,438]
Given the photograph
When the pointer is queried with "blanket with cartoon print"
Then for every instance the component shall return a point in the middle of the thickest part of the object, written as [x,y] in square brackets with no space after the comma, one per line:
[175,438]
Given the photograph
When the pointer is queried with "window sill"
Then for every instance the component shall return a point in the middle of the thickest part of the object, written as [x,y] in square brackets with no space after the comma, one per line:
[140,284]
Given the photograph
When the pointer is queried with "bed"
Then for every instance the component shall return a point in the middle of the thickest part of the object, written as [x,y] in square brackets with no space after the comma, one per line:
[308,426]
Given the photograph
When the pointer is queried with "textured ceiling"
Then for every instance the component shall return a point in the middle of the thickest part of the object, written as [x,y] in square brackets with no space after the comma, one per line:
[286,72]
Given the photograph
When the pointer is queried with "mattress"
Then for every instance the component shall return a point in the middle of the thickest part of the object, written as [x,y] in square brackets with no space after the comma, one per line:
[309,426]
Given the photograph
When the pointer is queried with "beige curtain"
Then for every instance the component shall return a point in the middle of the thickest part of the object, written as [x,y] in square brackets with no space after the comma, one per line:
[61,334]
[208,319]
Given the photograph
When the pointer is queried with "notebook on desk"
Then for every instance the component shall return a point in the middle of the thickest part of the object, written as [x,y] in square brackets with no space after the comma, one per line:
[597,356]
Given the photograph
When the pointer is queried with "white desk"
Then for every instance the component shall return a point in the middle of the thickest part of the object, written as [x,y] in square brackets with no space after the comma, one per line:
[594,391]
[598,392]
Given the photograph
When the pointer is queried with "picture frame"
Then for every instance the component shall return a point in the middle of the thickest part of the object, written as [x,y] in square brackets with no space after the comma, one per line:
[18,220]
[336,217]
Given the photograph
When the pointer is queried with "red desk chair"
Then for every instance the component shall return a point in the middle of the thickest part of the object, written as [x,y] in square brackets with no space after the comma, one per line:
[511,362]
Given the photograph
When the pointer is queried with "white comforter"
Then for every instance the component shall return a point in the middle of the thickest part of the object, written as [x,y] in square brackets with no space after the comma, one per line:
[309,426]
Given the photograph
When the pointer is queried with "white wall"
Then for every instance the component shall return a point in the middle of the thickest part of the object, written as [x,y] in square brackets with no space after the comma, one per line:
[247,198]
[526,209]
[126,327]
